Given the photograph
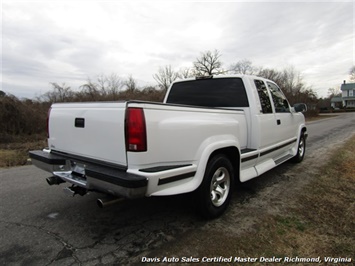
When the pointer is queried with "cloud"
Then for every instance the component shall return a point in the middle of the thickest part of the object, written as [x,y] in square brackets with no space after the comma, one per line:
[68,42]
[316,38]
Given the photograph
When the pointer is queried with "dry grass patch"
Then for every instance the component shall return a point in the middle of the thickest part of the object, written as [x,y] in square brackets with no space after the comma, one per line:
[319,117]
[10,158]
[323,221]
[328,204]
[16,153]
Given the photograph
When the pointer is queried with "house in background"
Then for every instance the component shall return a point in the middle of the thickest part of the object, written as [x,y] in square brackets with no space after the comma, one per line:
[347,98]
[336,102]
[348,94]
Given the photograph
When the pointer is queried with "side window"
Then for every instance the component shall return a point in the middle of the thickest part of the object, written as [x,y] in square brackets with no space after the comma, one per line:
[263,96]
[279,99]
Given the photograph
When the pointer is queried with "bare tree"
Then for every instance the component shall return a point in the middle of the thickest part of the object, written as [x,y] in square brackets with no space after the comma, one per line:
[332,92]
[269,73]
[106,86]
[114,84]
[100,86]
[165,77]
[59,93]
[92,89]
[131,84]
[185,72]
[289,79]
[243,67]
[208,64]
[291,83]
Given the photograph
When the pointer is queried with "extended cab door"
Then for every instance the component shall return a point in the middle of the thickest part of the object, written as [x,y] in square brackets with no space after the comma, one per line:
[266,120]
[286,127]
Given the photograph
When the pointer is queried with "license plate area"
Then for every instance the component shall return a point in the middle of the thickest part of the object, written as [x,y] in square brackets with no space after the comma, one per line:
[75,175]
[78,169]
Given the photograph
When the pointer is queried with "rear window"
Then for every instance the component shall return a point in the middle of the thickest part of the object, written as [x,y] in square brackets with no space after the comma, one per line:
[218,92]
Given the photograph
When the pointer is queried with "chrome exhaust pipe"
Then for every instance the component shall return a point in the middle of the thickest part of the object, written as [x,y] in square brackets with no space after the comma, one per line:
[54,180]
[108,201]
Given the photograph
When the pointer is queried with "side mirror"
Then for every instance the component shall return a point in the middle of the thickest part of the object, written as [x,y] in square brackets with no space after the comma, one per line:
[300,107]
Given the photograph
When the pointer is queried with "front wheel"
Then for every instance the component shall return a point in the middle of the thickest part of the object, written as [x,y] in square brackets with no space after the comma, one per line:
[301,150]
[215,192]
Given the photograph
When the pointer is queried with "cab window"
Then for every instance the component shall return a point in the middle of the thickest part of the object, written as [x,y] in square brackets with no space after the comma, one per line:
[263,96]
[280,102]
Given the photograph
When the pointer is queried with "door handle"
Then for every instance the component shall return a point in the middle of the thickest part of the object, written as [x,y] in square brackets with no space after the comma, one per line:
[278,121]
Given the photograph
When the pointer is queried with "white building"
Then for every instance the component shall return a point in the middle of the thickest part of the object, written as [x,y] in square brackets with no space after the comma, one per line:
[347,98]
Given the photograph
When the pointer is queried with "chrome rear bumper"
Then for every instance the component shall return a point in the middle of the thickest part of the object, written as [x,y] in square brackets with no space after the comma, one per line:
[91,176]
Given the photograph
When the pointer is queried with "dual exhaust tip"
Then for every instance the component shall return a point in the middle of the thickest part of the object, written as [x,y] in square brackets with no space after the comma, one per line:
[72,191]
[102,203]
[54,180]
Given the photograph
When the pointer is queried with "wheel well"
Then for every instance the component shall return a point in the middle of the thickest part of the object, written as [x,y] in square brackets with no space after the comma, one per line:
[304,132]
[233,155]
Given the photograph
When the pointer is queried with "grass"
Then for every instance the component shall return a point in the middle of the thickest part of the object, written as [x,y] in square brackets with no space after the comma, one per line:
[328,205]
[319,117]
[16,153]
[322,221]
[11,158]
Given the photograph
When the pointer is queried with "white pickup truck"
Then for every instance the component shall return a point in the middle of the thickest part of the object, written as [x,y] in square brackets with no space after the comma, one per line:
[207,134]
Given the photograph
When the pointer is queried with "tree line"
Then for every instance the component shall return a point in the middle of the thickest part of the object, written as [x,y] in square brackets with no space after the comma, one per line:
[28,116]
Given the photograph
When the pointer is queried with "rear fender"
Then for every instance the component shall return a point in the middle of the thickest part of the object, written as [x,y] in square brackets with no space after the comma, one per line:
[211,146]
[208,152]
[302,129]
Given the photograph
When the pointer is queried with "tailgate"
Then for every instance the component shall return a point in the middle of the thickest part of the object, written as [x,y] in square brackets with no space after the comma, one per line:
[90,130]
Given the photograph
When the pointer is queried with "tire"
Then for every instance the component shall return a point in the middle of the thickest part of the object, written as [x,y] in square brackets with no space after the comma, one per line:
[301,150]
[214,193]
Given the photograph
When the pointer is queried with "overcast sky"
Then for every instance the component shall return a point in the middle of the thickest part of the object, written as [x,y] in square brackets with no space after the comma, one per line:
[71,41]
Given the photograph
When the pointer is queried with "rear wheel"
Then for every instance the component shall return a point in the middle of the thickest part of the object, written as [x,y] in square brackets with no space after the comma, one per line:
[214,194]
[301,149]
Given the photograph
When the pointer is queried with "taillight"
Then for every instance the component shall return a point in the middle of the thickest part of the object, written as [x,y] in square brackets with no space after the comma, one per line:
[136,136]
[48,114]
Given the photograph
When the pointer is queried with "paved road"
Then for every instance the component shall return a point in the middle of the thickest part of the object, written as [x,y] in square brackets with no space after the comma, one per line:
[40,225]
